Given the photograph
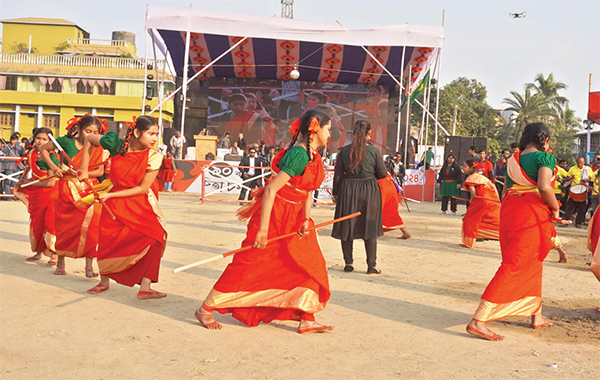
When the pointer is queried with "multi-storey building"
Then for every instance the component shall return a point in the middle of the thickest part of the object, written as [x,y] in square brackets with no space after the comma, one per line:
[50,71]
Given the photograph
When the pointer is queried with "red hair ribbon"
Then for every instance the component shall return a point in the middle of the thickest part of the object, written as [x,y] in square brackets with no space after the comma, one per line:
[314,126]
[131,124]
[295,127]
[474,164]
[549,150]
[72,122]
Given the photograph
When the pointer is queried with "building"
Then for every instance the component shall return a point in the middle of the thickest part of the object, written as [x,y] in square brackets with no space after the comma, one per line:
[50,71]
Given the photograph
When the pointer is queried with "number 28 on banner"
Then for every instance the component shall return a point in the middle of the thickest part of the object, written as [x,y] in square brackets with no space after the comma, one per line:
[413,177]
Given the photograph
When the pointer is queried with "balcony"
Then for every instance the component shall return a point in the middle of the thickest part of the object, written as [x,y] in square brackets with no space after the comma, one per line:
[89,46]
[79,61]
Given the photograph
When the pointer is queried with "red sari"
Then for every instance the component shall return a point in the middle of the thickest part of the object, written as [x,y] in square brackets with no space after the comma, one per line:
[525,240]
[132,245]
[167,172]
[389,201]
[288,279]
[593,246]
[76,220]
[40,204]
[482,220]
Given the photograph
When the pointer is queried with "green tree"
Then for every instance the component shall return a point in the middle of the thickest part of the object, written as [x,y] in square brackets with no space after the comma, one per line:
[22,48]
[527,108]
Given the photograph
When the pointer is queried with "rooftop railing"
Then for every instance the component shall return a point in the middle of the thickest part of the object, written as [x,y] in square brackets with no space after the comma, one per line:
[89,41]
[78,61]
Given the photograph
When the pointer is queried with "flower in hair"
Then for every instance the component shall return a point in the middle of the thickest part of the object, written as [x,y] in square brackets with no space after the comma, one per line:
[73,122]
[314,126]
[130,124]
[295,127]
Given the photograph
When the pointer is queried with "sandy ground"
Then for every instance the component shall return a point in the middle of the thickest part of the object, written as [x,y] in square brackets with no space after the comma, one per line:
[407,323]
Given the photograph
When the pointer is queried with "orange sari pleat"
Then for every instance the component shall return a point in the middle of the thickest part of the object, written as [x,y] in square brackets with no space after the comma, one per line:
[391,219]
[288,279]
[482,219]
[132,245]
[76,224]
[525,240]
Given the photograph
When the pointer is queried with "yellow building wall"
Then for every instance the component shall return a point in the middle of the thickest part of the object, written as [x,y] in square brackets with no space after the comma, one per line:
[43,37]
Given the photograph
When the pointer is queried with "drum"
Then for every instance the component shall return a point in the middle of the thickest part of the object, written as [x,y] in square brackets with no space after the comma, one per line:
[578,193]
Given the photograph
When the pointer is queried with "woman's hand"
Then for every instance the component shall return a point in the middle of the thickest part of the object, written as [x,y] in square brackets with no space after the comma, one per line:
[105,196]
[83,174]
[260,241]
[58,172]
[303,227]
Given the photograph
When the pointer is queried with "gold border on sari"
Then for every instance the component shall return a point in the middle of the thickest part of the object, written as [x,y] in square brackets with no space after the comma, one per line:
[120,264]
[525,307]
[299,298]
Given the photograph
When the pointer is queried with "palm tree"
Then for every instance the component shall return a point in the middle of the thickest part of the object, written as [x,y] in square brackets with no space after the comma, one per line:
[527,108]
[550,88]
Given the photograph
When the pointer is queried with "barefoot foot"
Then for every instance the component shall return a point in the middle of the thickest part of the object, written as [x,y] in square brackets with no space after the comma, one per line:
[89,273]
[36,257]
[60,271]
[205,318]
[405,234]
[480,330]
[98,289]
[312,326]
[538,321]
[150,295]
[53,260]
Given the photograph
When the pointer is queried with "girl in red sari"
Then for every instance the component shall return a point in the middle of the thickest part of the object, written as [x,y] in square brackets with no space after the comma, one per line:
[39,199]
[482,220]
[526,229]
[390,198]
[75,221]
[167,172]
[287,279]
[593,246]
[133,243]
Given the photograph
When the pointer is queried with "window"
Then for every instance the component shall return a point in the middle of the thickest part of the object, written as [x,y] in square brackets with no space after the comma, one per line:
[55,86]
[11,83]
[84,88]
[7,119]
[51,121]
[106,90]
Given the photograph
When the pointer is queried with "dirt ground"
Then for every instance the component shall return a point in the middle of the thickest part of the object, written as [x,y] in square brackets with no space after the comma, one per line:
[407,323]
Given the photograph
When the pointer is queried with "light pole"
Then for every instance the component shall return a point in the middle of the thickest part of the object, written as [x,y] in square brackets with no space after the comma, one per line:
[588,126]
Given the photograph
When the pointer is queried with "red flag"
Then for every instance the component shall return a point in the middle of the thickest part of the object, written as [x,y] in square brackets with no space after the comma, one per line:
[594,107]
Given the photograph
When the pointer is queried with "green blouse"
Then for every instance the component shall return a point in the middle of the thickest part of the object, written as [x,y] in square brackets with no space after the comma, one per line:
[531,164]
[112,143]
[294,161]
[68,144]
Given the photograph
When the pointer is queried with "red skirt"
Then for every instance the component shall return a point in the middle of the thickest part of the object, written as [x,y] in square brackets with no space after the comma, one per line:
[40,204]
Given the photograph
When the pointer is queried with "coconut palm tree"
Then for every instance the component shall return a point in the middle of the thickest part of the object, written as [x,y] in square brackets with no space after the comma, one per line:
[550,88]
[527,108]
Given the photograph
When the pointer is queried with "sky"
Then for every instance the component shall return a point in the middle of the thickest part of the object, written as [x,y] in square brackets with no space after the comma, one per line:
[481,41]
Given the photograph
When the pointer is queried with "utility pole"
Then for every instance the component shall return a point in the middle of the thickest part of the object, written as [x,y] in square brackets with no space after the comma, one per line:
[454,120]
[287,8]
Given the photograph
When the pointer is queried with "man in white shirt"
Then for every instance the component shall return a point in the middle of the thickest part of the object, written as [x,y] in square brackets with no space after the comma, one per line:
[177,142]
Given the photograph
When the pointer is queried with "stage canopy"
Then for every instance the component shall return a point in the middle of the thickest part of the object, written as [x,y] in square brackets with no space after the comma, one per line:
[321,52]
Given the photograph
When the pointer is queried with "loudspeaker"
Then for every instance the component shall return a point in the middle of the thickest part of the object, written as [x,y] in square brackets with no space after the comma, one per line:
[459,146]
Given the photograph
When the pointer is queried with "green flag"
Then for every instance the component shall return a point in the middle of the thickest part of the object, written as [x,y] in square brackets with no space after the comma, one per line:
[418,92]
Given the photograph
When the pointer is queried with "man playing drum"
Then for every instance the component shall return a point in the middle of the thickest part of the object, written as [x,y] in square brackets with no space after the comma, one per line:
[578,193]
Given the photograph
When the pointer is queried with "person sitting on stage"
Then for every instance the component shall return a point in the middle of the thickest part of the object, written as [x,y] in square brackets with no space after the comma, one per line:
[482,219]
[286,279]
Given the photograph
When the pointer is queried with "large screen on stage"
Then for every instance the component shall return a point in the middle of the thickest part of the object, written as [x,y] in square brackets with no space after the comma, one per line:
[263,109]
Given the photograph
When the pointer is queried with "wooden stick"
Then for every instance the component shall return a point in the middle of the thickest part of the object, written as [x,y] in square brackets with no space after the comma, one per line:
[97,196]
[218,257]
[589,188]
[485,199]
[37,180]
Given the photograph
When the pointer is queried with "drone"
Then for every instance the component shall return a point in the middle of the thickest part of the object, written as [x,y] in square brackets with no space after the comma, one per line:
[517,15]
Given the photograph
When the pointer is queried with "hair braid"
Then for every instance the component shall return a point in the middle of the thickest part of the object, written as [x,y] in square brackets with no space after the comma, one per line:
[294,138]
[127,140]
[308,147]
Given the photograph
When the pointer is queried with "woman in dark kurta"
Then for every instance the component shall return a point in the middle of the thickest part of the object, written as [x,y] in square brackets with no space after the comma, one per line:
[355,188]
[132,245]
[286,279]
[450,179]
